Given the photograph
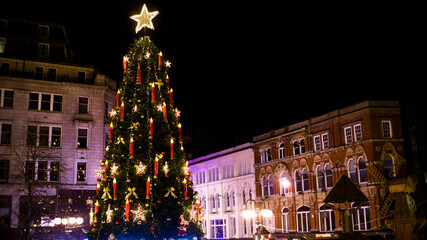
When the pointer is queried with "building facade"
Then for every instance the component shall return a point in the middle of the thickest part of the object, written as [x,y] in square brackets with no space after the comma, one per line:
[54,125]
[296,166]
[224,182]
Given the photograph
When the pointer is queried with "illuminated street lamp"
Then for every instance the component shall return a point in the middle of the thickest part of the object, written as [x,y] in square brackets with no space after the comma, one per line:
[249,212]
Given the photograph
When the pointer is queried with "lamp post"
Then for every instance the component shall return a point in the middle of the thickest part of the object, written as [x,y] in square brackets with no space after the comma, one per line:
[249,212]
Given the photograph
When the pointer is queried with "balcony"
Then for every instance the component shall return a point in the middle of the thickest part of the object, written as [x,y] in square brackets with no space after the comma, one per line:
[45,76]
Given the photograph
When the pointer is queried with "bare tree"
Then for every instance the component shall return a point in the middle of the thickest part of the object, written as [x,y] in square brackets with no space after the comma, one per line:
[35,173]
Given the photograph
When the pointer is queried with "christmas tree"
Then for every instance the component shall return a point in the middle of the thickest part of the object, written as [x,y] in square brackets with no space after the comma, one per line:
[144,188]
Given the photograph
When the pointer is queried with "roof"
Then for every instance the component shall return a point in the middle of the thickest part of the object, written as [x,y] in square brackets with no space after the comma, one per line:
[345,191]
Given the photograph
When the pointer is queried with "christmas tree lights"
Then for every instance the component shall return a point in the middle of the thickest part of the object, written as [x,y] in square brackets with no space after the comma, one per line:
[144,188]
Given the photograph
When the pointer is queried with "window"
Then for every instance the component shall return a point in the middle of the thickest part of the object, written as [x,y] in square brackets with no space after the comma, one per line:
[46,171]
[298,182]
[305,180]
[42,170]
[45,102]
[320,178]
[284,186]
[361,217]
[6,98]
[328,175]
[54,171]
[4,69]
[81,172]
[285,220]
[82,138]
[348,134]
[326,219]
[386,127]
[282,151]
[317,146]
[268,155]
[4,170]
[81,77]
[264,186]
[43,31]
[303,219]
[43,50]
[46,137]
[352,171]
[244,197]
[34,101]
[302,146]
[358,132]
[6,134]
[270,185]
[219,228]
[388,164]
[262,156]
[39,73]
[296,148]
[358,172]
[325,141]
[2,44]
[363,174]
[83,104]
[55,140]
[57,103]
[51,75]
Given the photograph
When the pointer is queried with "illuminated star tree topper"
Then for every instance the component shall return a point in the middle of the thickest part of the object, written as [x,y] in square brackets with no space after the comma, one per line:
[144,19]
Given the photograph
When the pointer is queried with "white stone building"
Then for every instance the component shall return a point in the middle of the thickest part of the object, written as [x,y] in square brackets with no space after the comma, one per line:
[225,181]
[54,125]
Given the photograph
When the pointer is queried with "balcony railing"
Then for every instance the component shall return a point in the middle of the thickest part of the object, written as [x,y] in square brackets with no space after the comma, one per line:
[46,76]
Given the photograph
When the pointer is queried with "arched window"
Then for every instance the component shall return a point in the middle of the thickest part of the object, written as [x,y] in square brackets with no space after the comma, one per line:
[233,199]
[264,186]
[302,146]
[213,203]
[270,185]
[306,184]
[284,183]
[303,219]
[320,178]
[388,165]
[250,194]
[262,156]
[363,174]
[227,200]
[281,151]
[244,197]
[298,182]
[352,171]
[285,220]
[326,219]
[328,175]
[218,201]
[296,148]
[268,155]
[361,217]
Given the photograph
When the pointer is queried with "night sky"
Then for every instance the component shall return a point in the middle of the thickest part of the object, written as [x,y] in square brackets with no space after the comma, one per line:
[242,69]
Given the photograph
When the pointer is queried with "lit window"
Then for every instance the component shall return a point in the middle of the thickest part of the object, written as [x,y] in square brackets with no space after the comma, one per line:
[81,172]
[386,126]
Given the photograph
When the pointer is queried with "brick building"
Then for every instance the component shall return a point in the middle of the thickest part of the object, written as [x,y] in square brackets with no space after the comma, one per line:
[297,165]
[54,121]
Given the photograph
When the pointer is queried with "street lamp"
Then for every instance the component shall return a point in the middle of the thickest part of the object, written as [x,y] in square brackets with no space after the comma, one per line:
[250,213]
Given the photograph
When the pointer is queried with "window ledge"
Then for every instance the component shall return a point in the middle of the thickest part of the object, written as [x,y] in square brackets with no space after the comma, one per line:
[82,117]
